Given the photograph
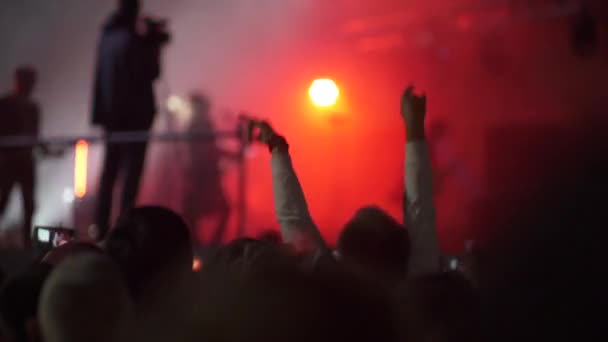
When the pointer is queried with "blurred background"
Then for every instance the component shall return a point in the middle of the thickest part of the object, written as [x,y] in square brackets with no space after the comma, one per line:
[512,85]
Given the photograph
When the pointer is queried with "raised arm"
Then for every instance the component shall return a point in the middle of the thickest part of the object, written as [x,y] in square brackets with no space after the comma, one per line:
[419,207]
[297,225]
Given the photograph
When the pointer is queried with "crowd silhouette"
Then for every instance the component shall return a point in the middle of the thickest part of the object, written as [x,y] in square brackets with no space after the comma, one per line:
[383,282]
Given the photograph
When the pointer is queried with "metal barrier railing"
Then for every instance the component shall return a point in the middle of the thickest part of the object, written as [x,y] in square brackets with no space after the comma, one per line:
[114,138]
[145,136]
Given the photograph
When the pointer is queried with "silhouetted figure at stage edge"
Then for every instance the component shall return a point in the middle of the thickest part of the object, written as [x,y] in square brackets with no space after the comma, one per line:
[127,66]
[20,116]
[204,196]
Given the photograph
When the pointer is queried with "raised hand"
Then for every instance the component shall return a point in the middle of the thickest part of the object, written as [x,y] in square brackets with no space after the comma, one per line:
[262,131]
[266,132]
[413,107]
[413,112]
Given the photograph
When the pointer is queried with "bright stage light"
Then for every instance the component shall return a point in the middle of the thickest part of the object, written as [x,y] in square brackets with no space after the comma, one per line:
[180,108]
[324,92]
[175,103]
[81,162]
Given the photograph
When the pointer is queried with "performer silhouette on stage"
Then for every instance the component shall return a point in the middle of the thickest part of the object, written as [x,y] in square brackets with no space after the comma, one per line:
[128,64]
[19,116]
[204,196]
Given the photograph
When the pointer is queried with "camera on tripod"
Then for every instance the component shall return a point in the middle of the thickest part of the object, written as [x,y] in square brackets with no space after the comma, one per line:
[158,30]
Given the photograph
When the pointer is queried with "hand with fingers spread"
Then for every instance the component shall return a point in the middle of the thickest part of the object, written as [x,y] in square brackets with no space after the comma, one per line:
[413,112]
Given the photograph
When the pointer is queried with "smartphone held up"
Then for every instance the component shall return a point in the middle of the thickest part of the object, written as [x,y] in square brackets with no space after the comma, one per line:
[47,238]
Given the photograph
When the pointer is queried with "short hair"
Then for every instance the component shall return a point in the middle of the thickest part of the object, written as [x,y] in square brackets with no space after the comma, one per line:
[85,299]
[26,72]
[147,241]
[374,242]
[200,99]
[129,6]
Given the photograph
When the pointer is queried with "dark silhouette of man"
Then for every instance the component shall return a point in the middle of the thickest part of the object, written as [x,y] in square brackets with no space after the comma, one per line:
[128,64]
[205,196]
[19,116]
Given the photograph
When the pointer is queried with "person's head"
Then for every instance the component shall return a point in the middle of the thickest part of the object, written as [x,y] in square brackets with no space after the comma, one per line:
[25,81]
[201,110]
[200,102]
[150,245]
[19,304]
[375,244]
[129,7]
[85,299]
[127,13]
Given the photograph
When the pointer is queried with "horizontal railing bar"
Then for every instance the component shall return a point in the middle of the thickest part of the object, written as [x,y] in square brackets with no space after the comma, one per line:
[114,138]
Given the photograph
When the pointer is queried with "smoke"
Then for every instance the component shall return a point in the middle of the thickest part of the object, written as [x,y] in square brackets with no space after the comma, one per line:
[484,68]
[220,47]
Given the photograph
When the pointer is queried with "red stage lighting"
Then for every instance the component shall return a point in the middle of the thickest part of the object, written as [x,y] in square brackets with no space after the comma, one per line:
[324,92]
